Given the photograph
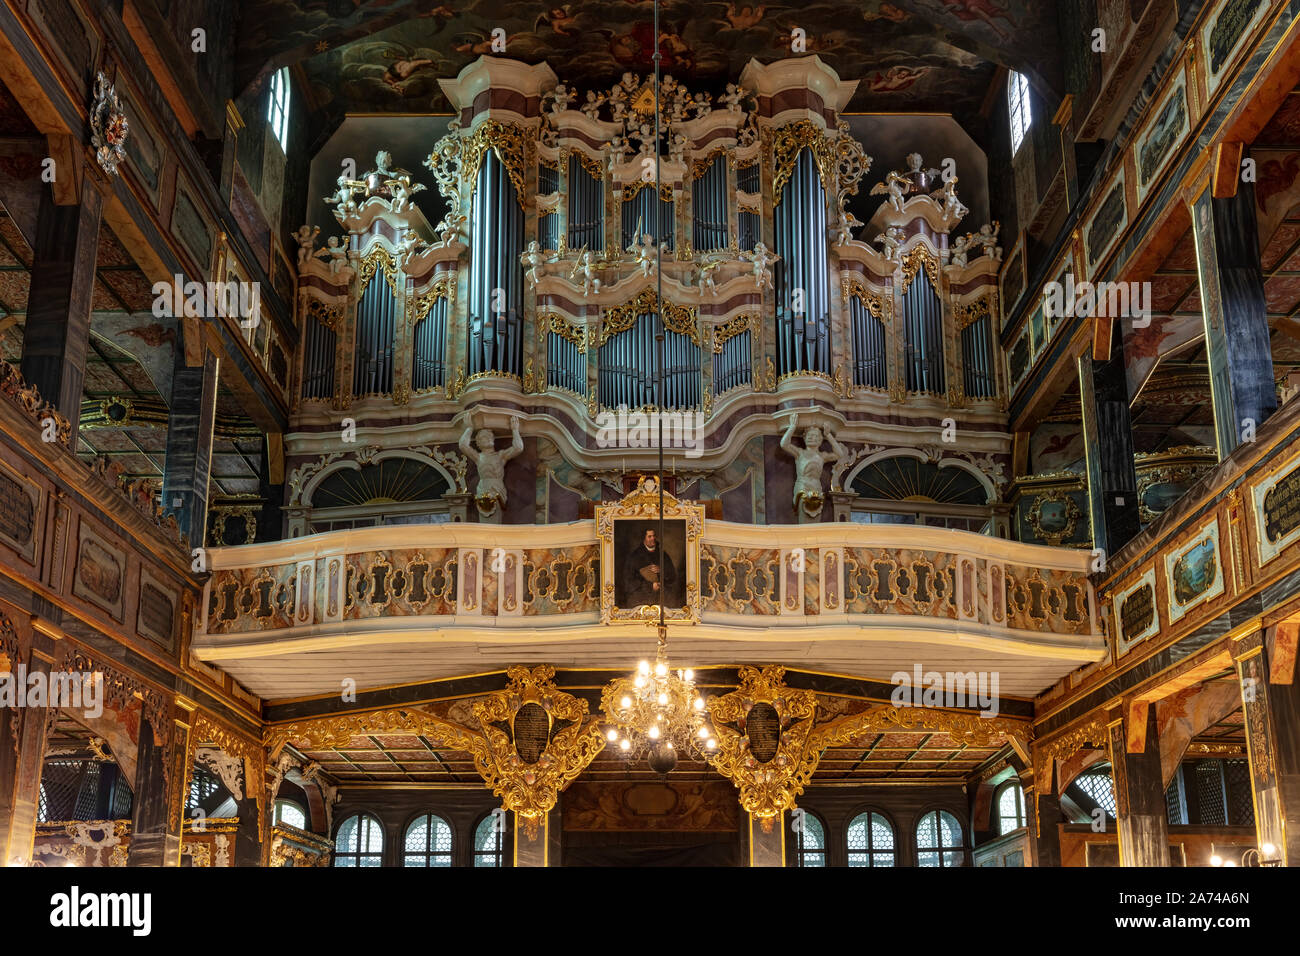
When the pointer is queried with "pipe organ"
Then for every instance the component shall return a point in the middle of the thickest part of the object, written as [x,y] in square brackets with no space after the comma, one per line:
[542,280]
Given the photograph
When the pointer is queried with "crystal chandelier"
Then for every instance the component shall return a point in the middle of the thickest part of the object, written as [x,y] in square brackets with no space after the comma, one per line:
[657,712]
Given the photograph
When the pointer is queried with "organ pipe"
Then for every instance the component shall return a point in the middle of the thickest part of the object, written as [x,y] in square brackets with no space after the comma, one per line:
[495,339]
[799,225]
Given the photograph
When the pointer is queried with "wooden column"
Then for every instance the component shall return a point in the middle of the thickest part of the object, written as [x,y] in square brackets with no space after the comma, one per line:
[1232,303]
[1108,445]
[188,461]
[1272,714]
[21,761]
[57,332]
[153,843]
[766,845]
[1045,817]
[1143,823]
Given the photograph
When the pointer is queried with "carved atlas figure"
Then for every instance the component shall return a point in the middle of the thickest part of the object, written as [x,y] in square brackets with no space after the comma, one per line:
[809,463]
[491,464]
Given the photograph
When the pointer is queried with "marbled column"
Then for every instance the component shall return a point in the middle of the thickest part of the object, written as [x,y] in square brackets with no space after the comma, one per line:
[766,845]
[1143,821]
[1272,714]
[1108,442]
[538,849]
[57,332]
[1236,324]
[20,765]
[151,842]
[188,463]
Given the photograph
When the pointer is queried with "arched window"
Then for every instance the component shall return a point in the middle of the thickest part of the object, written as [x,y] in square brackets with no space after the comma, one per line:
[359,842]
[938,840]
[288,812]
[810,842]
[489,842]
[428,842]
[871,840]
[1010,800]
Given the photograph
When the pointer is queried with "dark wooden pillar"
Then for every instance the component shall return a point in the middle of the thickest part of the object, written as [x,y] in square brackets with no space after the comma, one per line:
[152,844]
[188,463]
[1108,444]
[1236,324]
[248,837]
[57,332]
[1143,822]
[1045,817]
[1272,714]
[21,762]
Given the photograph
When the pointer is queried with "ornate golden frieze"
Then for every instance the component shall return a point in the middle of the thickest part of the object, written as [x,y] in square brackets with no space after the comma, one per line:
[592,166]
[701,166]
[26,397]
[788,142]
[970,727]
[377,258]
[874,302]
[631,189]
[554,322]
[506,140]
[920,257]
[677,318]
[444,287]
[724,333]
[972,312]
[1090,732]
[330,317]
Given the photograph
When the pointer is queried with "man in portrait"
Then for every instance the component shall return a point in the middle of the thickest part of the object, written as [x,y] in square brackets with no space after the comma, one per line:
[639,575]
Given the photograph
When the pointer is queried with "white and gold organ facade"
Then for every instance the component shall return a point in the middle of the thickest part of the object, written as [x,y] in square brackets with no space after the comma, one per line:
[652,448]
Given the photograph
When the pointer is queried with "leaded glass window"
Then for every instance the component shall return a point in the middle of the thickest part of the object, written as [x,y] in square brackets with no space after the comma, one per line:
[1011,807]
[360,842]
[871,840]
[939,840]
[489,842]
[810,842]
[427,842]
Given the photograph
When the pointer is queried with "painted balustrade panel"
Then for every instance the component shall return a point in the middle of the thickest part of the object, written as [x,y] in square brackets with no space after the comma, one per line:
[799,574]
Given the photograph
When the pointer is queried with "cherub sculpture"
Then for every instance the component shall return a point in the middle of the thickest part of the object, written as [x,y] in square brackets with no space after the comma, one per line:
[809,463]
[896,186]
[593,104]
[733,97]
[336,251]
[306,237]
[587,267]
[762,259]
[534,261]
[343,200]
[707,269]
[491,464]
[561,98]
[892,238]
[842,231]
[401,189]
[644,252]
[449,229]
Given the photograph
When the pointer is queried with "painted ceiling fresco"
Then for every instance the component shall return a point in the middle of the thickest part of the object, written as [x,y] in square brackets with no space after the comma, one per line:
[910,55]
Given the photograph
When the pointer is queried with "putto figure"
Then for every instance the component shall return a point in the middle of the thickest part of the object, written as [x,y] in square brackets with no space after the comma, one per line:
[762,259]
[809,463]
[533,260]
[306,237]
[491,464]
[586,267]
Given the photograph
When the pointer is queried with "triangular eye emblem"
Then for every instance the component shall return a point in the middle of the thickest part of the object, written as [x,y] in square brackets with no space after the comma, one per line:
[644,101]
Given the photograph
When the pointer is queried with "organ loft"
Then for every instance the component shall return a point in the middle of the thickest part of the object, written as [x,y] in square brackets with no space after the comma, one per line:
[647,434]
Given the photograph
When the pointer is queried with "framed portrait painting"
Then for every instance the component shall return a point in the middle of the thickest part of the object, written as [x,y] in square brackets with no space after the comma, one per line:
[644,565]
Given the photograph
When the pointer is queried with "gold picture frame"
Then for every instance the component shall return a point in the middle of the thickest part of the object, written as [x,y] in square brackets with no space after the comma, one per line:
[636,509]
